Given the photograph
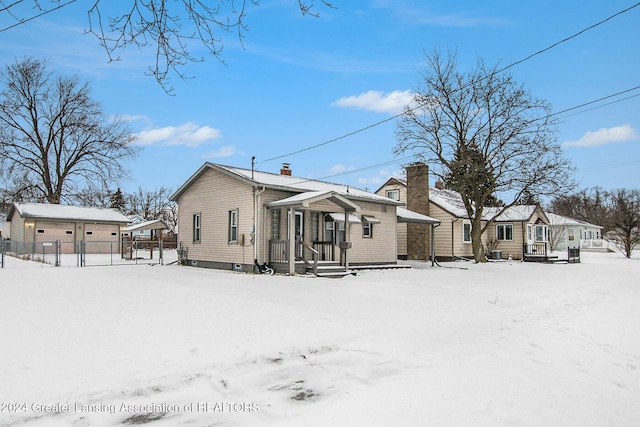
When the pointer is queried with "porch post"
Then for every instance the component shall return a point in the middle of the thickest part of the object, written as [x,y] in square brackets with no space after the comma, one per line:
[292,241]
[347,238]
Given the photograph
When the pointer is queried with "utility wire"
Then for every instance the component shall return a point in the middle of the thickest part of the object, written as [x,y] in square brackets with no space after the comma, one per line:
[401,160]
[513,64]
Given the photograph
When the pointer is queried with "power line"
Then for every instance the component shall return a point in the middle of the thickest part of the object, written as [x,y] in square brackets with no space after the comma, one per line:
[566,39]
[594,101]
[400,160]
[604,105]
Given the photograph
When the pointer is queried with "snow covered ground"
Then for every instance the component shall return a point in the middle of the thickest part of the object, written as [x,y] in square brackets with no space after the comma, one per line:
[499,344]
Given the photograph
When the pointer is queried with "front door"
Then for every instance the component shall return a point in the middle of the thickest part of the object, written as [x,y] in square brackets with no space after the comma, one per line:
[529,238]
[299,230]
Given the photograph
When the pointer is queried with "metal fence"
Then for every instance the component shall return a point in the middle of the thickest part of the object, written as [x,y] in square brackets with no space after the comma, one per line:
[90,253]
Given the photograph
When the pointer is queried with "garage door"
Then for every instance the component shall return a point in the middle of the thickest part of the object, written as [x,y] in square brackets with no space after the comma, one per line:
[49,232]
[101,238]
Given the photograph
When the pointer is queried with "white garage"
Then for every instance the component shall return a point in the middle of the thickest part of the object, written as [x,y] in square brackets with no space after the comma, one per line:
[46,224]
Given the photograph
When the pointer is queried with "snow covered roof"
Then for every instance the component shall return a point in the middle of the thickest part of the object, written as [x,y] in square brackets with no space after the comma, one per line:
[556,219]
[305,199]
[155,224]
[287,183]
[451,201]
[405,215]
[64,212]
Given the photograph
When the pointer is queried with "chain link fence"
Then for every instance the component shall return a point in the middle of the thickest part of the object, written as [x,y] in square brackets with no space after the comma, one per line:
[90,253]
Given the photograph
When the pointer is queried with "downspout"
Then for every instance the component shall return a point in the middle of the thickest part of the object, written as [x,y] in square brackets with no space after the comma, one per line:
[433,243]
[453,232]
[256,230]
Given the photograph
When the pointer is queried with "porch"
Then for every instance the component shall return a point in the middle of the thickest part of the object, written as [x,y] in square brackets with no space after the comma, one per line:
[311,214]
[537,252]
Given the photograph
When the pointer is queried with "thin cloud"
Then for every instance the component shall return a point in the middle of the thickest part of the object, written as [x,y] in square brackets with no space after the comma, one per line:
[225,151]
[604,136]
[189,134]
[374,100]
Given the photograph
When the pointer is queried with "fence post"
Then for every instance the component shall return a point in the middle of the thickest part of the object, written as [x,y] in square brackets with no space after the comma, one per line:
[58,253]
[161,252]
[1,252]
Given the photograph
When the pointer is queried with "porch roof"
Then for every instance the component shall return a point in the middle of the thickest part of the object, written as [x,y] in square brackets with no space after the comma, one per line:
[304,200]
[405,215]
[155,224]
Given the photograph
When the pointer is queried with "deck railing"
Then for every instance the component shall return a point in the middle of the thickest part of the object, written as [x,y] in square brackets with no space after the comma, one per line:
[278,251]
[324,250]
[535,249]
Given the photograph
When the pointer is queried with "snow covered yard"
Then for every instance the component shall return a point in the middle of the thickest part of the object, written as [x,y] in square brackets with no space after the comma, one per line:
[500,344]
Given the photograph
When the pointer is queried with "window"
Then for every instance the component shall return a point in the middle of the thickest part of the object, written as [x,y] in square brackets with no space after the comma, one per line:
[40,231]
[197,230]
[572,234]
[114,234]
[504,232]
[540,233]
[69,232]
[89,233]
[466,232]
[233,226]
[340,232]
[367,229]
[393,194]
[275,224]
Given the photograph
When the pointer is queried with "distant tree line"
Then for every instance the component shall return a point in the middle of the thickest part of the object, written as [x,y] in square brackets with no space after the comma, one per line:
[618,211]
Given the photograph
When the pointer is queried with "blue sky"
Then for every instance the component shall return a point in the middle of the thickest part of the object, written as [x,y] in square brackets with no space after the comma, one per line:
[299,81]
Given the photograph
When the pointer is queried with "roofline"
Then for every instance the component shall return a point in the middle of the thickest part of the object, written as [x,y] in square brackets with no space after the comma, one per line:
[393,178]
[222,168]
[14,208]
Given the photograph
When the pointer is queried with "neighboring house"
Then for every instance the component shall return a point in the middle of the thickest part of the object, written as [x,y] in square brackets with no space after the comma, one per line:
[231,217]
[135,230]
[519,232]
[572,233]
[40,224]
[396,189]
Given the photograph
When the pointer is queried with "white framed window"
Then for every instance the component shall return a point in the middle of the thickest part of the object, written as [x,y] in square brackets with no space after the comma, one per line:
[572,234]
[541,233]
[196,228]
[233,226]
[393,194]
[367,229]
[466,232]
[504,232]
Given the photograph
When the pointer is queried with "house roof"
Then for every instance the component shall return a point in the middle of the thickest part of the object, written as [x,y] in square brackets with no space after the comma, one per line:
[405,215]
[556,219]
[284,182]
[392,181]
[65,212]
[305,199]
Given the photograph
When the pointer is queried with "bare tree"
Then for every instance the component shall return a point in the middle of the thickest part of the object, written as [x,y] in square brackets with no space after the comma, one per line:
[589,205]
[149,204]
[166,26]
[54,135]
[485,134]
[625,220]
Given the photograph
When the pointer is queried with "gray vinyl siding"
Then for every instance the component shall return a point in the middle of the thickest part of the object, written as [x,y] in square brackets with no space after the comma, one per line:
[212,196]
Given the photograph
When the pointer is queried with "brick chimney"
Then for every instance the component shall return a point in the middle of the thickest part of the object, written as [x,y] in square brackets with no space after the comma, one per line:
[418,235]
[284,170]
